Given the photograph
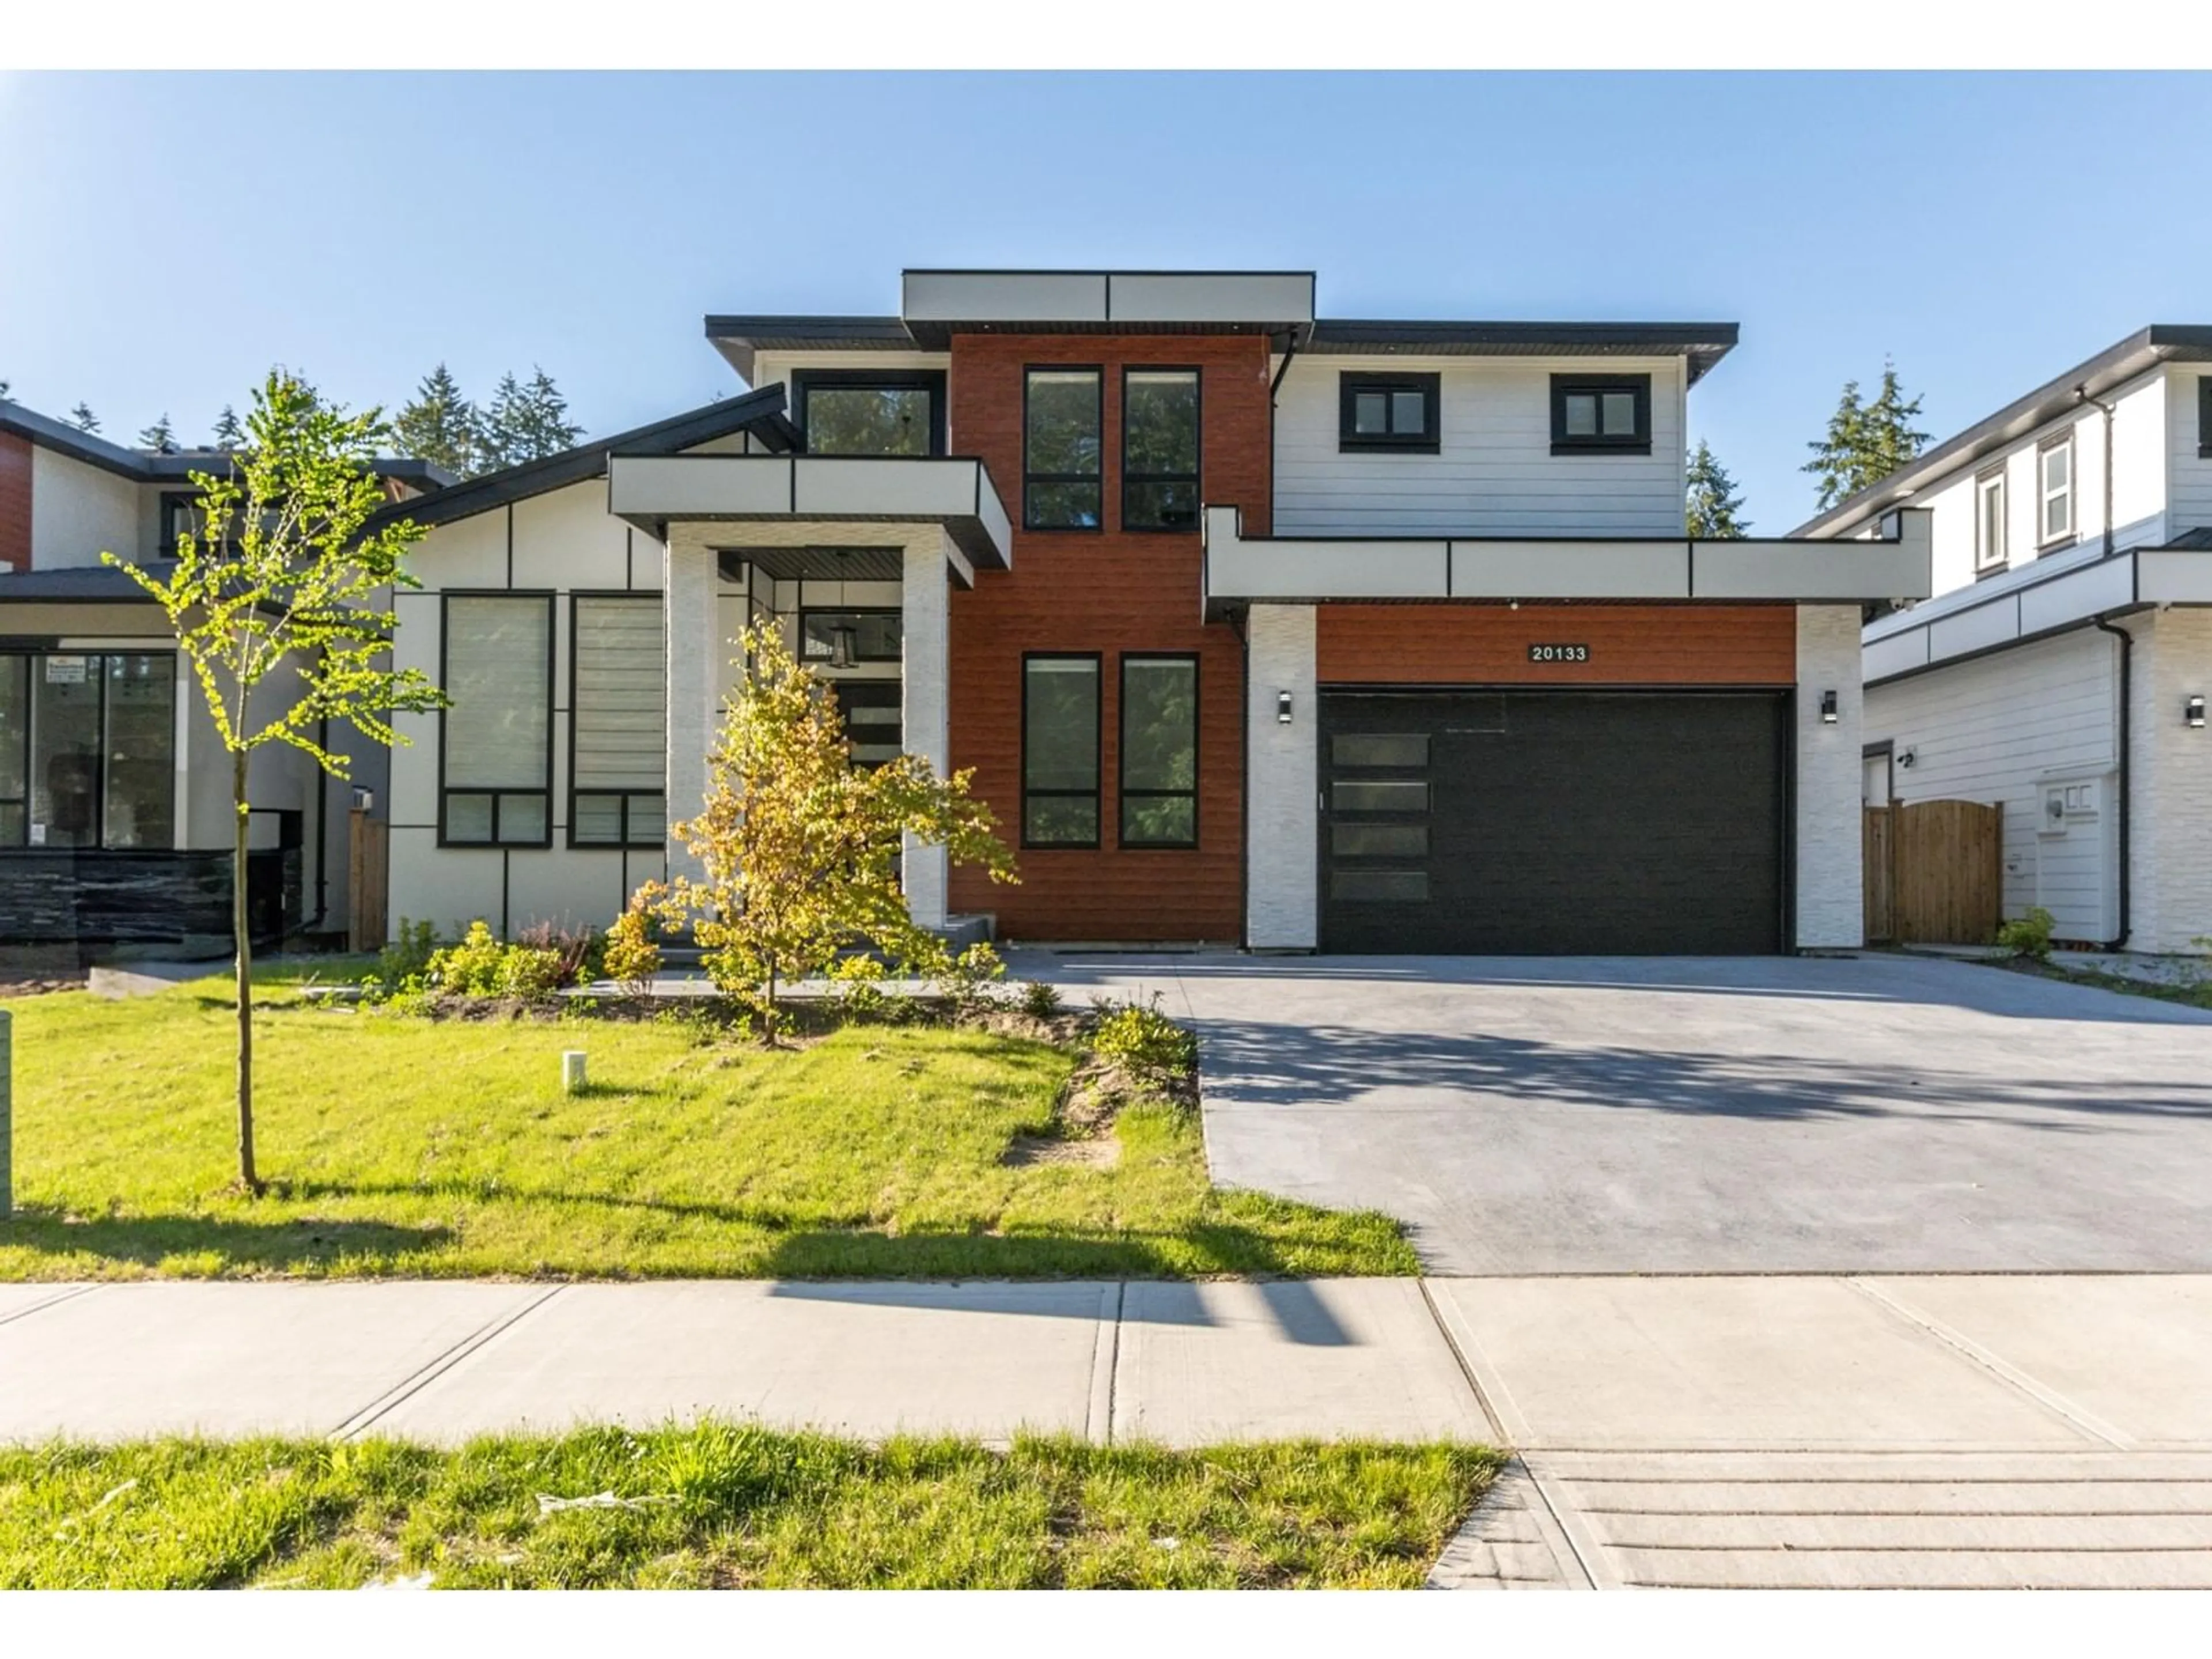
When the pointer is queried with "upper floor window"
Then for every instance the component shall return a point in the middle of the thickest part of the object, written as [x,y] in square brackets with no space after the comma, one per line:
[2054,467]
[2204,417]
[1387,411]
[867,412]
[1061,480]
[1610,412]
[1989,521]
[1159,449]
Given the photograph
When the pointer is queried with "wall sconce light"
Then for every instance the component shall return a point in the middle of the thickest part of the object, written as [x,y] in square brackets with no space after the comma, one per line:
[840,647]
[1828,708]
[2193,710]
[1907,758]
[1283,707]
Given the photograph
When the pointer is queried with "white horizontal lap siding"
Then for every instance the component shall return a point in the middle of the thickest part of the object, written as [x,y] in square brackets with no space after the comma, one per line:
[2190,474]
[1995,729]
[1495,474]
[2170,907]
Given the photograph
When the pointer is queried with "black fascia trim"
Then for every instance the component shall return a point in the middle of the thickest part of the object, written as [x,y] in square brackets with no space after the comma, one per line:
[932,381]
[552,660]
[1637,442]
[1096,792]
[1351,382]
[586,461]
[1097,372]
[1122,793]
[1195,477]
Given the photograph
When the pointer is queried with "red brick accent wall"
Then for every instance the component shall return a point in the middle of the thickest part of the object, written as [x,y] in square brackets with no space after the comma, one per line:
[15,501]
[1107,591]
[1488,644]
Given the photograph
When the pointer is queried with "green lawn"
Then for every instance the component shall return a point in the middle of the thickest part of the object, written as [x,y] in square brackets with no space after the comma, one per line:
[400,1146]
[721,1506]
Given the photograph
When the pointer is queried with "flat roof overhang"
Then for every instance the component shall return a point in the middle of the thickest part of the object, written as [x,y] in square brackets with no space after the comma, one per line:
[651,491]
[1240,571]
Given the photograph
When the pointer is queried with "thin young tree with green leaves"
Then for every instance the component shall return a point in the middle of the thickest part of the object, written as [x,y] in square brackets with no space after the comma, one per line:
[1865,442]
[279,585]
[1712,505]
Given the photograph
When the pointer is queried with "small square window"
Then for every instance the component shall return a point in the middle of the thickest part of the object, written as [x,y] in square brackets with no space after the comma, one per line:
[1387,411]
[1608,412]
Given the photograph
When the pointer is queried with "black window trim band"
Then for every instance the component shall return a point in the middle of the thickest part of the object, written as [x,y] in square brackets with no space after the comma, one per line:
[1194,477]
[1123,794]
[1636,443]
[1097,372]
[1352,382]
[1095,793]
[932,381]
[626,843]
[551,597]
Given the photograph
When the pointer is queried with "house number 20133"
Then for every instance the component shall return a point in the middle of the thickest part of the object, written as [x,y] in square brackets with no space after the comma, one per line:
[1559,653]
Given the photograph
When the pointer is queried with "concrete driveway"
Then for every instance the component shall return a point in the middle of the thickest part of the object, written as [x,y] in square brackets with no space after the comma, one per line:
[1585,1115]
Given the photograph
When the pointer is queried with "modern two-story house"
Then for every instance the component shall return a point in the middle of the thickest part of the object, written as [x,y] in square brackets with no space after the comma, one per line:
[115,792]
[2062,665]
[1256,627]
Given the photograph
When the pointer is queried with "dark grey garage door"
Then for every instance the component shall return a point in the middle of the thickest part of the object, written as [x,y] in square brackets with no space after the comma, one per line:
[1546,823]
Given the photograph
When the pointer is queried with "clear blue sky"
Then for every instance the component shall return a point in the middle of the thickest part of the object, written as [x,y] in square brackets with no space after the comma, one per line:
[167,238]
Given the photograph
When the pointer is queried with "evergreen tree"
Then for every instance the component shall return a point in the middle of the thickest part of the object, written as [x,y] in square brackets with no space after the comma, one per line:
[3,388]
[1712,509]
[526,422]
[228,434]
[82,417]
[1866,441]
[440,426]
[161,437]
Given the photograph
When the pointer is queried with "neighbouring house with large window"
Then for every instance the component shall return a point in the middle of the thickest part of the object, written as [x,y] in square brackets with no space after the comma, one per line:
[115,791]
[2061,667]
[1255,627]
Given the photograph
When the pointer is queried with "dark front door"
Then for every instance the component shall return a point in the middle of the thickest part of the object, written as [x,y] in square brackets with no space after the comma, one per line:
[1553,823]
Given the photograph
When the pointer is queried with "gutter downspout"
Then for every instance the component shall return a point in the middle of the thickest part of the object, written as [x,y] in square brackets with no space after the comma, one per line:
[2126,695]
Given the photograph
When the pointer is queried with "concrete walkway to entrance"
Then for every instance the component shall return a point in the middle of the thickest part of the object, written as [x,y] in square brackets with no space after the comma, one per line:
[1786,1430]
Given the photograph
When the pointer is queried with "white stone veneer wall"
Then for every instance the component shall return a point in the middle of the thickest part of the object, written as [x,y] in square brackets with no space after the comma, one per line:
[1283,814]
[1831,907]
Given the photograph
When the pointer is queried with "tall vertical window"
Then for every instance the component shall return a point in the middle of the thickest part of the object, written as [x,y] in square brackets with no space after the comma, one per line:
[1989,521]
[88,750]
[1159,449]
[495,753]
[2054,468]
[618,721]
[1159,751]
[1059,751]
[865,412]
[1061,416]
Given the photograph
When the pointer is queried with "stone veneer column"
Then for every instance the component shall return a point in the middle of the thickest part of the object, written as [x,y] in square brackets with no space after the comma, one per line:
[695,654]
[925,622]
[1283,816]
[1831,904]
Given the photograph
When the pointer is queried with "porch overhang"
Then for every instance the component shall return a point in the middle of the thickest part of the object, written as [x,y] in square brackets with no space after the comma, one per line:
[1240,571]
[653,491]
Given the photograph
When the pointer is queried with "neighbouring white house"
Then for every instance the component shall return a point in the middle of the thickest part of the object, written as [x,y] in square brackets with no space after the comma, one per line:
[115,790]
[2062,665]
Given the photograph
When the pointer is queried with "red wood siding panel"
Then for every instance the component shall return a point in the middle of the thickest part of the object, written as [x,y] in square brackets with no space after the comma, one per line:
[1488,644]
[15,501]
[1107,591]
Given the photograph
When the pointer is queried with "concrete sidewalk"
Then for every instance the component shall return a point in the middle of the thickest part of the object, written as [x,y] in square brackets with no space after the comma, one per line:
[1763,1430]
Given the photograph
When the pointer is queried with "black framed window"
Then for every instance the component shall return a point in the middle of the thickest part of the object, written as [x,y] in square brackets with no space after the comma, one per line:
[868,412]
[1063,450]
[1387,411]
[869,634]
[1159,751]
[873,711]
[618,721]
[495,740]
[88,749]
[1059,751]
[1601,412]
[1160,448]
[2204,417]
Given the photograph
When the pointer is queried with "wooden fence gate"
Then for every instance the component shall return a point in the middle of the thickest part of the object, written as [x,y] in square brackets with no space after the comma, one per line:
[1933,872]
[365,886]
